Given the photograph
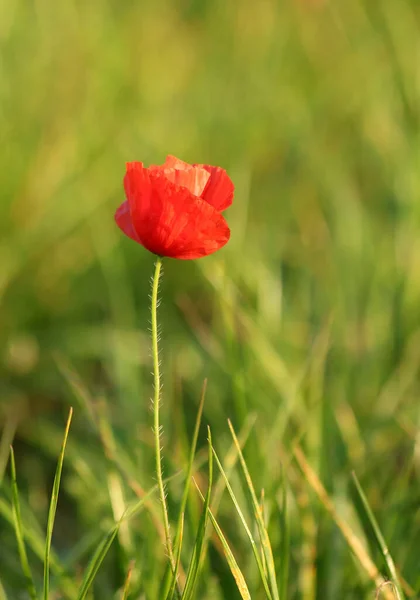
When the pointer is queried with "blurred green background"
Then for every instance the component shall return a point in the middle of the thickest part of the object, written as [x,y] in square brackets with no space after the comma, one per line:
[309,319]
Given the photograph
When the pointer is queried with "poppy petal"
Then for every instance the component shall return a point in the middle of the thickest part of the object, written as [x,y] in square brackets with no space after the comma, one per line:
[123,220]
[172,162]
[219,189]
[194,179]
[168,219]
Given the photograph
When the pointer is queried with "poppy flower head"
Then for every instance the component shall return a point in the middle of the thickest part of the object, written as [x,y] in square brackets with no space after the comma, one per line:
[174,209]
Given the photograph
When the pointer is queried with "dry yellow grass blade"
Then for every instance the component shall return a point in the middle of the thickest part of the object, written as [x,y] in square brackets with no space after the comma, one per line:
[351,538]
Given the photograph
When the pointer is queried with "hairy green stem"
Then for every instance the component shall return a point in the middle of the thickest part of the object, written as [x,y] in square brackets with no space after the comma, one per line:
[156,406]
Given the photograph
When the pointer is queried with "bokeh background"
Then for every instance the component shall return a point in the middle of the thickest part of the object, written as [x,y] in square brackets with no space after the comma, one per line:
[308,321]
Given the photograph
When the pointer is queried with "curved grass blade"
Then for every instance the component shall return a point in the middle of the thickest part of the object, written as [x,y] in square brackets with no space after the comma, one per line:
[354,543]
[262,508]
[180,532]
[233,565]
[127,581]
[35,540]
[230,461]
[115,453]
[247,529]
[192,452]
[96,561]
[53,509]
[199,541]
[30,585]
[284,543]
[380,540]
[105,544]
[169,573]
[265,540]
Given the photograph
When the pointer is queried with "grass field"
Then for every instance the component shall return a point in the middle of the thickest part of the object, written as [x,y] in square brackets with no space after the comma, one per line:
[306,325]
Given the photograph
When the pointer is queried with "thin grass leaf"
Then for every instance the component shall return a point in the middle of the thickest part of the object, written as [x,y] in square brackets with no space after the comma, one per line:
[180,532]
[105,545]
[37,544]
[115,453]
[53,508]
[6,440]
[352,540]
[230,462]
[126,589]
[262,508]
[380,540]
[81,548]
[199,541]
[3,595]
[247,529]
[265,540]
[233,565]
[284,550]
[192,453]
[97,560]
[169,573]
[30,585]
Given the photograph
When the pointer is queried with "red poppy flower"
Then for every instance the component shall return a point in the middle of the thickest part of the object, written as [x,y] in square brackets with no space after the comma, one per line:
[175,209]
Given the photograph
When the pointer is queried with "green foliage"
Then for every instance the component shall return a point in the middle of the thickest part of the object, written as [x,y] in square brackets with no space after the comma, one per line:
[19,531]
[306,326]
[53,509]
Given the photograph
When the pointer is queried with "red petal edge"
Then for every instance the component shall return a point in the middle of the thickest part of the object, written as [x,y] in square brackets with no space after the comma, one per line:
[169,220]
[123,220]
[219,189]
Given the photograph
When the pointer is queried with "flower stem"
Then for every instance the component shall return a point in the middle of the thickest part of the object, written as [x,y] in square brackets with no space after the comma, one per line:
[156,406]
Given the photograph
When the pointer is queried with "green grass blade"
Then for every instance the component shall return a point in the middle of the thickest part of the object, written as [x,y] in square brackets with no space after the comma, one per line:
[126,589]
[247,529]
[380,540]
[200,539]
[53,508]
[35,540]
[3,595]
[8,433]
[169,574]
[265,540]
[353,541]
[284,551]
[262,508]
[96,561]
[106,543]
[192,453]
[30,585]
[230,462]
[233,565]
[173,586]
[114,452]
